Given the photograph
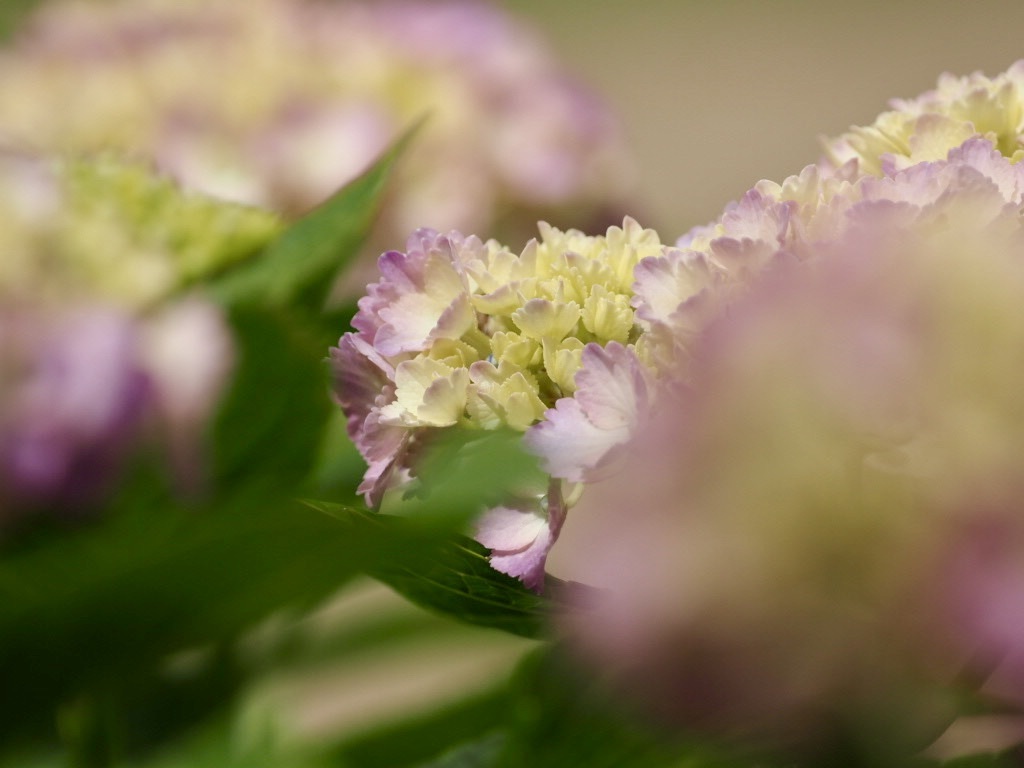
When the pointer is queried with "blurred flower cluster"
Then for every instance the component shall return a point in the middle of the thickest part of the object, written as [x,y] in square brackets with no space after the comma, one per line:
[98,343]
[278,103]
[829,546]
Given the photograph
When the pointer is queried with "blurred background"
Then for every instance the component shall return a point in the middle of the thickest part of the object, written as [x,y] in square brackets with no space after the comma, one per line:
[717,95]
[713,96]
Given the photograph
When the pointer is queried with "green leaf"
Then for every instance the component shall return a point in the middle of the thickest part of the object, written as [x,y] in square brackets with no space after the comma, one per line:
[93,608]
[339,468]
[38,759]
[268,432]
[549,716]
[11,14]
[216,745]
[298,267]
[97,611]
[466,470]
[455,578]
[449,574]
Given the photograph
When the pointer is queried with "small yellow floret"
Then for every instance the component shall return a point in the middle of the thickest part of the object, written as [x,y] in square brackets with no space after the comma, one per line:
[428,393]
[608,315]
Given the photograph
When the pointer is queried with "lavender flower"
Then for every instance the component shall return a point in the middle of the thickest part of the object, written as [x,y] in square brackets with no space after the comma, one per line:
[307,93]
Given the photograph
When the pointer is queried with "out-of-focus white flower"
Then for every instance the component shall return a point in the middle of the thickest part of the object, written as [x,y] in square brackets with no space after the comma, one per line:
[188,353]
[279,102]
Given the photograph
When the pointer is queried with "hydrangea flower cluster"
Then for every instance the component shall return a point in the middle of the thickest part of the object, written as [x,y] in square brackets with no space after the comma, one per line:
[797,220]
[582,377]
[831,483]
[94,347]
[307,93]
[463,332]
[927,127]
[967,126]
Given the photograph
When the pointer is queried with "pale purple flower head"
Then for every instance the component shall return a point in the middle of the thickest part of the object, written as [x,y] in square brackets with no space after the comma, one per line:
[83,387]
[824,534]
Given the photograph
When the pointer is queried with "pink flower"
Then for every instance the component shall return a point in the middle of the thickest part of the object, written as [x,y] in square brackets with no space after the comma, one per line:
[85,385]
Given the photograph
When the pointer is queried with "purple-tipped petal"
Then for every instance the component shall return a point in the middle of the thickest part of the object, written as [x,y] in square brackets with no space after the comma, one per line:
[520,535]
[580,435]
